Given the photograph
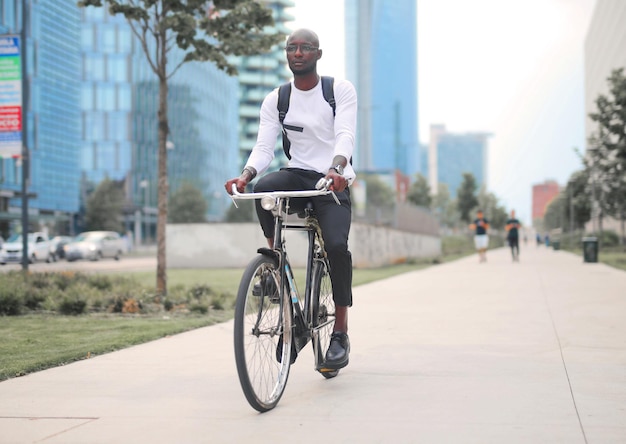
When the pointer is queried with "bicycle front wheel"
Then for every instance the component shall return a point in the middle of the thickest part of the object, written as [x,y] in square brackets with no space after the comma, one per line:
[323,310]
[263,334]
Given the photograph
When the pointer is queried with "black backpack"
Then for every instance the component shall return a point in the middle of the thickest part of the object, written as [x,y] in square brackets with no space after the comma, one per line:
[284,94]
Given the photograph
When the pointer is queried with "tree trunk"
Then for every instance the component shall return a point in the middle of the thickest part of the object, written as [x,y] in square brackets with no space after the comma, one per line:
[163,190]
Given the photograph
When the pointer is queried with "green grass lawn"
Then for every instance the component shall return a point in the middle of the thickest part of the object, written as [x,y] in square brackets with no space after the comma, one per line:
[612,256]
[35,342]
[615,259]
[227,279]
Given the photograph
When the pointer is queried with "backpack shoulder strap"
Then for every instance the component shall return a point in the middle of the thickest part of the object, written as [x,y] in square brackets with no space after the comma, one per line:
[284,93]
[328,91]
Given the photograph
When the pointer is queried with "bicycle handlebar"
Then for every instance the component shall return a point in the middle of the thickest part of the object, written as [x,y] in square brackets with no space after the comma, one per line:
[321,189]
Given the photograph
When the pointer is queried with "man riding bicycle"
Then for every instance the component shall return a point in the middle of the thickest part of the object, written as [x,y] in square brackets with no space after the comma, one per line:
[321,145]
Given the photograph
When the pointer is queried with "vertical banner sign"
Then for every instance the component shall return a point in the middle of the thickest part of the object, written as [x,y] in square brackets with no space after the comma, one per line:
[10,97]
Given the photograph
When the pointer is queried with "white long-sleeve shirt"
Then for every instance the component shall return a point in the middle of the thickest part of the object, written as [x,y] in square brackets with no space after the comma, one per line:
[322,138]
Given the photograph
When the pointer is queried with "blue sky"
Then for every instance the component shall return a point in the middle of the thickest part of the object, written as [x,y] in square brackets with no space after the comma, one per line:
[510,68]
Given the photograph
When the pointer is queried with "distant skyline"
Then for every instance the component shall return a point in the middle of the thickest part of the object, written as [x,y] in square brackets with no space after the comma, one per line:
[511,69]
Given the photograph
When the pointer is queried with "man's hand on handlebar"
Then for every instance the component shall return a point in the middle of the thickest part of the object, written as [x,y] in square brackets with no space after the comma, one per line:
[244,178]
[239,182]
[338,183]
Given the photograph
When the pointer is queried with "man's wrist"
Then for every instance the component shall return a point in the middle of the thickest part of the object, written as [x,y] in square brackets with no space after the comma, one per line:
[338,169]
[248,173]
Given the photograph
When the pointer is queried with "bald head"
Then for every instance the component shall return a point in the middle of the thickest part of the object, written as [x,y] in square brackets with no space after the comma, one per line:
[304,34]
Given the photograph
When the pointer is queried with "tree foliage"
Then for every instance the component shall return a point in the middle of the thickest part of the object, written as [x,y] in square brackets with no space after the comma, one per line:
[571,209]
[466,197]
[104,207]
[379,194]
[577,200]
[187,205]
[419,192]
[445,208]
[555,213]
[605,161]
[200,31]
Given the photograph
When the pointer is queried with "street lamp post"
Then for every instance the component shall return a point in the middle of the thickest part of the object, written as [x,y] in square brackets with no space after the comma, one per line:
[24,158]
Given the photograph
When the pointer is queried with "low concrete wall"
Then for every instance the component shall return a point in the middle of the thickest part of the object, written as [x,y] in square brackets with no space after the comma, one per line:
[233,245]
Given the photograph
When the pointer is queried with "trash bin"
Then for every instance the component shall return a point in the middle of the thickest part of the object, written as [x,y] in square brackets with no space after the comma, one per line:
[556,244]
[590,249]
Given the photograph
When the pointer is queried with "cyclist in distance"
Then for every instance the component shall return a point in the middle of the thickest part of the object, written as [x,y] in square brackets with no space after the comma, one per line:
[321,145]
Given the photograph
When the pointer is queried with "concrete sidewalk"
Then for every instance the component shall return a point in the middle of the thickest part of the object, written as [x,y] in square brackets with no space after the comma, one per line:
[502,352]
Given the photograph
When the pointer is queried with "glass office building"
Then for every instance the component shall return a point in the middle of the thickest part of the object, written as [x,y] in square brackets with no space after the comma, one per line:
[381,61]
[106,99]
[52,115]
[202,144]
[120,140]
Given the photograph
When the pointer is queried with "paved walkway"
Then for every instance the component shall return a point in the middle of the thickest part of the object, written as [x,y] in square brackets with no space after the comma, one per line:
[502,352]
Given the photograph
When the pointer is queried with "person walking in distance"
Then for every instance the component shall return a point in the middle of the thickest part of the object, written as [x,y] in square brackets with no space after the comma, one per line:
[321,142]
[512,228]
[480,226]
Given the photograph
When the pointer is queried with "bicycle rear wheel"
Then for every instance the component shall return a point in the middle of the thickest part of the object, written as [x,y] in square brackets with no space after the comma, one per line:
[261,318]
[323,310]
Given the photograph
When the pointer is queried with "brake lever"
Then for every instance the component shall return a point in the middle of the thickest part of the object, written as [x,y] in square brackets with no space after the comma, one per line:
[323,184]
[232,195]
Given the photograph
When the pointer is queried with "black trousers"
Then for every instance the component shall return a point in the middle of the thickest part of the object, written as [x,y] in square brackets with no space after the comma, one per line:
[514,244]
[334,221]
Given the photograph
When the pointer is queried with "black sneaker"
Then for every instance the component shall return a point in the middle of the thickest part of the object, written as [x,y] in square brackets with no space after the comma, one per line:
[266,287]
[338,352]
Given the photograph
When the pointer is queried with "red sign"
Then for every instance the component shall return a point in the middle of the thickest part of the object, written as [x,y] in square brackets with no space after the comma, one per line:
[10,118]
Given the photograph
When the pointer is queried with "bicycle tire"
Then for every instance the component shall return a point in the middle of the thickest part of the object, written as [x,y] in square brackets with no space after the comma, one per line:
[323,313]
[258,326]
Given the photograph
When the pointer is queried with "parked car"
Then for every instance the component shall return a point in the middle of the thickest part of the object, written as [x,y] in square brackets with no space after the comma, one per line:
[38,245]
[57,245]
[95,245]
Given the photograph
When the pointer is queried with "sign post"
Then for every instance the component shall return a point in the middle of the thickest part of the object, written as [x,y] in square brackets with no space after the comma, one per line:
[10,97]
[13,104]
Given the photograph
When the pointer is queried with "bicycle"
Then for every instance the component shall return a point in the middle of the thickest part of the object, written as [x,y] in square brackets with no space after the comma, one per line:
[273,322]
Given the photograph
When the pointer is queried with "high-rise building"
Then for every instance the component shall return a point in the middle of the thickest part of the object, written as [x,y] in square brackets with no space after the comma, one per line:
[258,75]
[107,45]
[381,42]
[450,155]
[543,194]
[51,114]
[605,50]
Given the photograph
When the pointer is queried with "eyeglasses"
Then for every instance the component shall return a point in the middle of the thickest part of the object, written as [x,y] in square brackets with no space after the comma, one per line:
[304,49]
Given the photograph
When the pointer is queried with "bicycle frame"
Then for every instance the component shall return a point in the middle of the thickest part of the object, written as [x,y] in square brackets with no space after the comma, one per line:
[280,208]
